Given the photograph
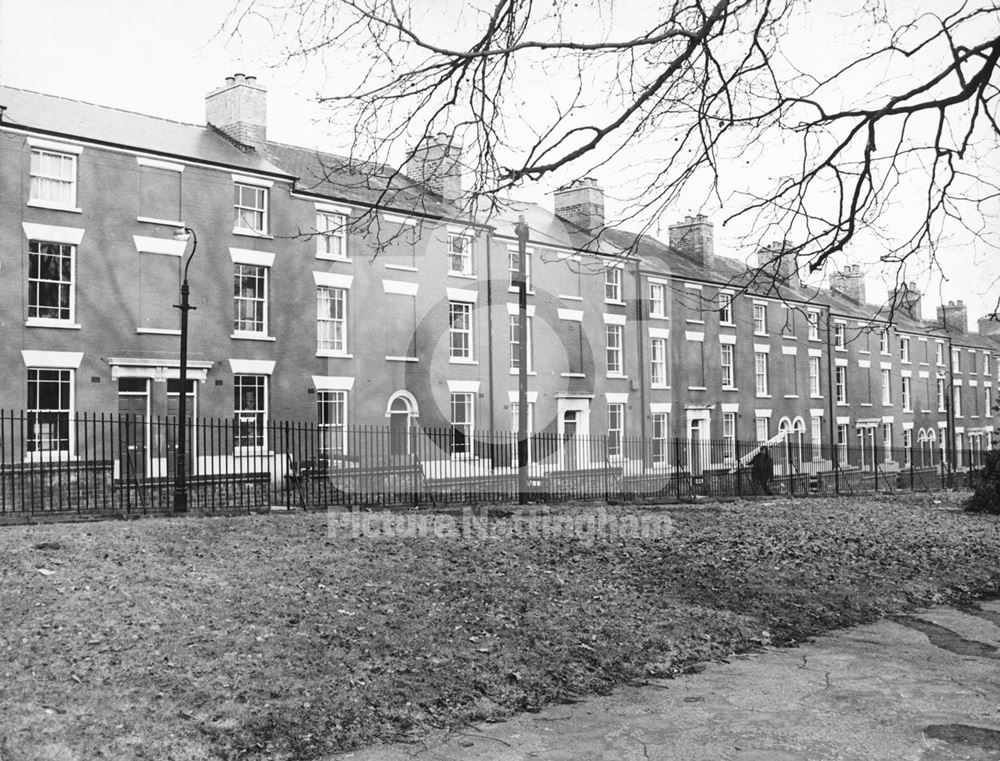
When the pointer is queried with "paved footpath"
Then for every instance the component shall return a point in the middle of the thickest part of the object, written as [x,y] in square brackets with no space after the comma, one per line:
[920,687]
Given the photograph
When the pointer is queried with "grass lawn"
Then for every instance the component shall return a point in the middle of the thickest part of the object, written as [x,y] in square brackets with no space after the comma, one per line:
[263,637]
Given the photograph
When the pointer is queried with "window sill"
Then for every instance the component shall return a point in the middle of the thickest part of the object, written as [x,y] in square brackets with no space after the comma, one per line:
[658,317]
[724,324]
[697,388]
[730,388]
[615,302]
[513,289]
[400,267]
[659,386]
[155,221]
[402,359]
[328,258]
[840,348]
[843,404]
[760,335]
[763,396]
[865,404]
[815,396]
[54,206]
[245,336]
[462,361]
[157,331]
[791,396]
[789,338]
[514,372]
[695,322]
[863,351]
[251,233]
[47,323]
[617,376]
[572,375]
[570,298]
[461,275]
[51,456]
[333,354]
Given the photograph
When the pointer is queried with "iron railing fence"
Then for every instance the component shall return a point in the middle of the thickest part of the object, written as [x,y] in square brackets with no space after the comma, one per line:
[87,465]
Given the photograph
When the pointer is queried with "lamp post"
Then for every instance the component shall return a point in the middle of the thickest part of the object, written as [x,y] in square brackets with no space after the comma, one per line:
[522,231]
[180,461]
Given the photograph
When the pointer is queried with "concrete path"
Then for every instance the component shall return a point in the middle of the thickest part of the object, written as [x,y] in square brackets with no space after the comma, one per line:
[920,687]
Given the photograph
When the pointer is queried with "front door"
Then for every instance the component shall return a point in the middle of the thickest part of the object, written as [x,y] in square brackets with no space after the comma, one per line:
[569,442]
[133,409]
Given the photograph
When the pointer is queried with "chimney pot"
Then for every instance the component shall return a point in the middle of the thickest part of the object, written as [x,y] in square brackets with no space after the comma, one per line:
[239,112]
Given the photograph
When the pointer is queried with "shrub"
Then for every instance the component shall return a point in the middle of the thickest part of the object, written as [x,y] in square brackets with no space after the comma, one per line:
[986,497]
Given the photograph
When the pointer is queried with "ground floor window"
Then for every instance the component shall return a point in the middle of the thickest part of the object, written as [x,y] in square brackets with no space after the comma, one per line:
[616,428]
[728,436]
[660,428]
[250,410]
[842,437]
[50,406]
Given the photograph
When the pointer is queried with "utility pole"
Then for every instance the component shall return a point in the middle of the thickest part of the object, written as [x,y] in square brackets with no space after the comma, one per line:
[521,229]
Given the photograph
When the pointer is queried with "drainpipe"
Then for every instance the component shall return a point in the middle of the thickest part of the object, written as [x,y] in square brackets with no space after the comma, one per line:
[832,401]
[639,321]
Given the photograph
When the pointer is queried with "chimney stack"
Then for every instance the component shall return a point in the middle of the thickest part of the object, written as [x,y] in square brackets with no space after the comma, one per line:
[581,203]
[989,326]
[906,300]
[694,238]
[778,261]
[436,163]
[954,317]
[849,282]
[239,110]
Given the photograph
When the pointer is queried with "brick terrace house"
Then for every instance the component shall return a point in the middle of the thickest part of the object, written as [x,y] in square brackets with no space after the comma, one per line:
[360,296]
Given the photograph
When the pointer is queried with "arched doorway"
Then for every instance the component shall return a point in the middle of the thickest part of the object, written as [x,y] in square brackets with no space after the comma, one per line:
[402,411]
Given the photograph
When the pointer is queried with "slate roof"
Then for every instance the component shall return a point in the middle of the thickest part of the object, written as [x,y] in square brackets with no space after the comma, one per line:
[66,118]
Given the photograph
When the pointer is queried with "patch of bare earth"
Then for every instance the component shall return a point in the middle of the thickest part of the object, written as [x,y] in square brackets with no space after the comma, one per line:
[265,637]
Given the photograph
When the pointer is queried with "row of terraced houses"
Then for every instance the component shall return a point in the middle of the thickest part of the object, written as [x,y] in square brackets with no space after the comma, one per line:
[366,298]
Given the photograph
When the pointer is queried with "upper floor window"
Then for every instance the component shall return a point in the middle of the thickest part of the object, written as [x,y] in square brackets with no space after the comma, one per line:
[760,319]
[883,341]
[331,238]
[907,396]
[986,363]
[972,362]
[459,254]
[658,362]
[886,387]
[53,178]
[840,385]
[613,338]
[250,298]
[331,320]
[904,349]
[613,284]
[812,317]
[51,286]
[250,209]
[956,361]
[657,300]
[939,354]
[726,308]
[513,265]
[460,330]
[814,378]
[840,336]
[515,342]
[727,364]
[760,373]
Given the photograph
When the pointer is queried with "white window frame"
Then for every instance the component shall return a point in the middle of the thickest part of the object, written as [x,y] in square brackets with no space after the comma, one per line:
[729,437]
[63,416]
[906,394]
[659,428]
[331,228]
[331,328]
[258,417]
[614,356]
[840,336]
[883,344]
[941,390]
[812,320]
[760,374]
[461,255]
[242,210]
[843,439]
[513,320]
[457,352]
[613,285]
[886,387]
[727,363]
[658,362]
[815,378]
[904,349]
[840,384]
[760,319]
[67,156]
[260,272]
[512,256]
[939,354]
[956,400]
[762,428]
[726,307]
[907,447]
[657,303]
[35,284]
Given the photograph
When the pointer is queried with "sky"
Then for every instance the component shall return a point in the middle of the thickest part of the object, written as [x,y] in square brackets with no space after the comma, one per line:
[161,58]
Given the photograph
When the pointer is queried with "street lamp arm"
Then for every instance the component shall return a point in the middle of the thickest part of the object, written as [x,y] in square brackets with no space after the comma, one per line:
[194,247]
